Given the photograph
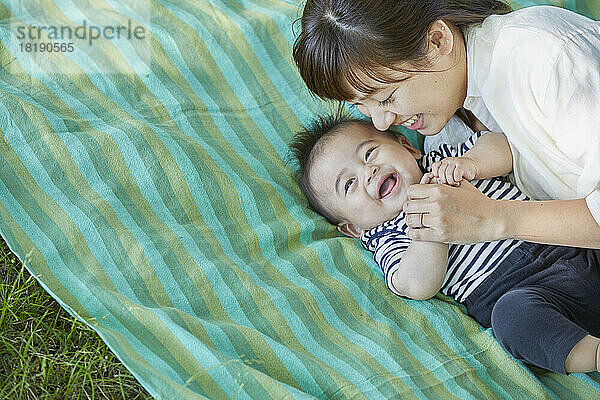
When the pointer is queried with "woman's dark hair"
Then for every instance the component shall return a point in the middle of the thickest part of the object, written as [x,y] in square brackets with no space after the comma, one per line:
[342,39]
[308,142]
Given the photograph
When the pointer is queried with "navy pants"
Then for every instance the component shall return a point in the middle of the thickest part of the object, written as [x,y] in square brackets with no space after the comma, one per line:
[540,301]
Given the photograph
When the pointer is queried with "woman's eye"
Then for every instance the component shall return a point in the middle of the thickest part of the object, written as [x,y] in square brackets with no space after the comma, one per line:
[369,152]
[348,184]
[386,102]
[390,98]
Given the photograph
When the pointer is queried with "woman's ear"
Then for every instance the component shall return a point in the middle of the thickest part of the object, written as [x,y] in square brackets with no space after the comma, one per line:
[441,37]
[404,142]
[350,230]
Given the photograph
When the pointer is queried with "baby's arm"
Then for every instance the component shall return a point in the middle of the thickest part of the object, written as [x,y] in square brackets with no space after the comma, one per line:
[489,157]
[422,270]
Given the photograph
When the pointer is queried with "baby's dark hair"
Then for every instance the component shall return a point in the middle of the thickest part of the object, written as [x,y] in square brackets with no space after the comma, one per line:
[343,40]
[308,142]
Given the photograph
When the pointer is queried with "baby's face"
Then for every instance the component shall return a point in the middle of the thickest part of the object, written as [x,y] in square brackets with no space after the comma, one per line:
[362,176]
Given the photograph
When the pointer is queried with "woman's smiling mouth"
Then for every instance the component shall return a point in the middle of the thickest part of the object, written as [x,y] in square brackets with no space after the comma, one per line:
[415,122]
[388,185]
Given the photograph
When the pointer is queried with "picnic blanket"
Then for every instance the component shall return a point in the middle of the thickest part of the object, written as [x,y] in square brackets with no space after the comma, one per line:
[147,184]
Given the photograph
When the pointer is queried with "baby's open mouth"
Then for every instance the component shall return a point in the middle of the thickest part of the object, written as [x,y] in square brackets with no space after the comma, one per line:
[387,185]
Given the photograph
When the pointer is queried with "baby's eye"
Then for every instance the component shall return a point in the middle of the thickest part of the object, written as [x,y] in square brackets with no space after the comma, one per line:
[349,183]
[369,152]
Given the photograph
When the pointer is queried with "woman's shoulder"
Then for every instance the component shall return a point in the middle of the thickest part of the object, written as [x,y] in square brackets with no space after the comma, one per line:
[529,40]
[543,22]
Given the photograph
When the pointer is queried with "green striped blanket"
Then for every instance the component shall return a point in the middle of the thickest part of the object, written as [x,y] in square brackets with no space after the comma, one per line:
[145,180]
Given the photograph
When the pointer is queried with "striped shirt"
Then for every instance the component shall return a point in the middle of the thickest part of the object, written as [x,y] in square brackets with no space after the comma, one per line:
[468,265]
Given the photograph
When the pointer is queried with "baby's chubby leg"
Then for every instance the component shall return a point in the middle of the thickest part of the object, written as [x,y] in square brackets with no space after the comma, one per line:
[531,325]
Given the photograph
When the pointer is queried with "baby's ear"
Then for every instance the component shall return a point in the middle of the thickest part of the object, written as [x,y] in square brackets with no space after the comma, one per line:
[404,141]
[350,230]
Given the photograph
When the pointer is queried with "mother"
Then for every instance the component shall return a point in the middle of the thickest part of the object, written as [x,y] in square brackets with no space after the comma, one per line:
[533,74]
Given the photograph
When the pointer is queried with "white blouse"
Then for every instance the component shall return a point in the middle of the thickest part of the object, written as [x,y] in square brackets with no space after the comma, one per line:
[534,74]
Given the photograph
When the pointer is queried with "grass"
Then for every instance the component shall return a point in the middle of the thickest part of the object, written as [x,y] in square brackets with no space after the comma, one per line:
[47,354]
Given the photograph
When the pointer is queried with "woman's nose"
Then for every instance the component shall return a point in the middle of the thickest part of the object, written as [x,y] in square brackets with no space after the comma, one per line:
[383,119]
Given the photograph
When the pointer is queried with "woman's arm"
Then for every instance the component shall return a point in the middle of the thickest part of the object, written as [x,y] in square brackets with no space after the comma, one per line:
[422,270]
[560,222]
[465,215]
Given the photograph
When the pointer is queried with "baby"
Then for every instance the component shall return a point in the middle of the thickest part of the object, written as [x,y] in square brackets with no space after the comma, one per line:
[541,301]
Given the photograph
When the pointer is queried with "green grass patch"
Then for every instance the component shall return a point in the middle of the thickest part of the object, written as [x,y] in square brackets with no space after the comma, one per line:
[45,353]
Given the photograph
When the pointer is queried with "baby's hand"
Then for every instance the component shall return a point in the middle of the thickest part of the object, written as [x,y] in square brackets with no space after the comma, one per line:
[452,170]
[428,177]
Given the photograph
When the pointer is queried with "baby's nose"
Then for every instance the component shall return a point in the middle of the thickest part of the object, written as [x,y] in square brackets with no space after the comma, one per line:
[372,171]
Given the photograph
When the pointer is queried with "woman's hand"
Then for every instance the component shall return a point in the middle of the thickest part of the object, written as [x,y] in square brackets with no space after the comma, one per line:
[453,214]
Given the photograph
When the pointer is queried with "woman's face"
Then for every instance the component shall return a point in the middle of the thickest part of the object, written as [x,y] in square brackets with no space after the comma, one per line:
[422,101]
